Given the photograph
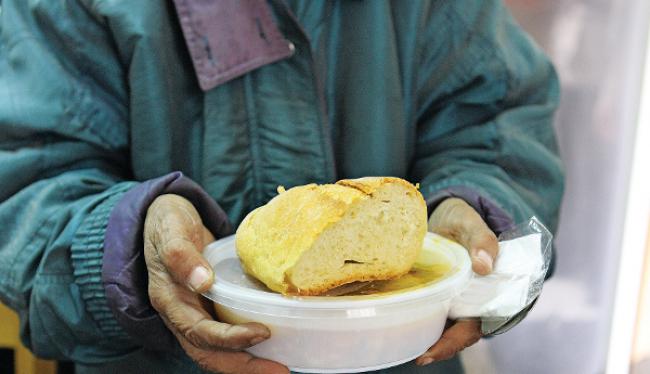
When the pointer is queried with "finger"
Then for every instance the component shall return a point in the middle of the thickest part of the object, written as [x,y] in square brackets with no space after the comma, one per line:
[457,220]
[174,229]
[207,238]
[216,335]
[483,247]
[184,314]
[453,340]
[183,259]
[232,362]
[184,262]
[228,362]
[244,363]
[171,216]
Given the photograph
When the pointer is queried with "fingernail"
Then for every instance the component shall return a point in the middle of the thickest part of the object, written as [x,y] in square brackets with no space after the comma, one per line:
[427,361]
[484,257]
[257,340]
[198,277]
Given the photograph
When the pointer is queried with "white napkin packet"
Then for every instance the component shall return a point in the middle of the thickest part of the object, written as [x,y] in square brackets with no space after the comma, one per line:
[515,281]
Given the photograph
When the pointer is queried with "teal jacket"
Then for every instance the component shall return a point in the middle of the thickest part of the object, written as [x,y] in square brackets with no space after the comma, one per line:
[99,96]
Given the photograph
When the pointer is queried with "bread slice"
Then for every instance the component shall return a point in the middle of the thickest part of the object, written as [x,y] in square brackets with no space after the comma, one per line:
[310,239]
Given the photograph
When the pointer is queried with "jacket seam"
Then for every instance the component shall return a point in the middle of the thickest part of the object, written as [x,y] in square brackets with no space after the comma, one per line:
[253,135]
[485,47]
[321,105]
[79,80]
[493,51]
[77,110]
[41,241]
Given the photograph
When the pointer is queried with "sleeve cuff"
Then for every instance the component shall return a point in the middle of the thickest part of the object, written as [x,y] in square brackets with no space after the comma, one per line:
[86,254]
[124,271]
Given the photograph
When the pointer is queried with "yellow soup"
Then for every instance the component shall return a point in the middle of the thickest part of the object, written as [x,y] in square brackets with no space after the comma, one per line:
[429,268]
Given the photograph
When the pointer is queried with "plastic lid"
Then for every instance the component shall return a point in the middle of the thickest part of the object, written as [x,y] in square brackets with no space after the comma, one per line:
[232,285]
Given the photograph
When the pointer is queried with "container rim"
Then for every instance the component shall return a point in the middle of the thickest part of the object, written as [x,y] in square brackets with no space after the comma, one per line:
[442,290]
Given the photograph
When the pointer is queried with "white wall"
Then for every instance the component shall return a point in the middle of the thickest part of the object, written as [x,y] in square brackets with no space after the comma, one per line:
[598,47]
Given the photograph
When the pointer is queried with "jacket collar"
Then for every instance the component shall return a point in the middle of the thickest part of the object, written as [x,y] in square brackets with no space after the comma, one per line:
[229,38]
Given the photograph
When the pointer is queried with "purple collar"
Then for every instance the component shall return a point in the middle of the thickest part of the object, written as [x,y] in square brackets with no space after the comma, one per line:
[229,38]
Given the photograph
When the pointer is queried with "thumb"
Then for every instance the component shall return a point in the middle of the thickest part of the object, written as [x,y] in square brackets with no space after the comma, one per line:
[457,220]
[483,248]
[173,229]
[186,265]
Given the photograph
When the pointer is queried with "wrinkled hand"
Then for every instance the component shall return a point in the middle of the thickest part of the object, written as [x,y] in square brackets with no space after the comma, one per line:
[174,237]
[458,221]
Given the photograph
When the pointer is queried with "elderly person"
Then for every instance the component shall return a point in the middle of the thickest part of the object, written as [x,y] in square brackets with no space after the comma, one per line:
[133,133]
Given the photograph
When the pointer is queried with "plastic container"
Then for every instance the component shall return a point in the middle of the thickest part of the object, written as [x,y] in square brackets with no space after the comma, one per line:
[339,334]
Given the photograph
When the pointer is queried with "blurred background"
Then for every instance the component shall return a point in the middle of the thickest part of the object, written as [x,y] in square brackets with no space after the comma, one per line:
[591,316]
[594,314]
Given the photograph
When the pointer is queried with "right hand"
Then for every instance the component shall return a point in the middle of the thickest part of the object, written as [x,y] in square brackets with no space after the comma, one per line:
[174,237]
[454,219]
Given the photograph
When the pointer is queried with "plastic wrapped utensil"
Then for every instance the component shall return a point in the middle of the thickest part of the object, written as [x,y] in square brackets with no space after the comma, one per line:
[515,282]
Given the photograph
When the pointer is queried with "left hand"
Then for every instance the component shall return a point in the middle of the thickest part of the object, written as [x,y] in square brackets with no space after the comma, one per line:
[458,221]
[174,237]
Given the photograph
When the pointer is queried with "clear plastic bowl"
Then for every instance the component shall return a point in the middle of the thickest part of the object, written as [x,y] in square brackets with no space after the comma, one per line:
[339,334]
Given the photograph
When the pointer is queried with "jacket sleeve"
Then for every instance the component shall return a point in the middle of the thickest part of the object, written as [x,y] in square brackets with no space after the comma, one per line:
[65,173]
[486,98]
[63,165]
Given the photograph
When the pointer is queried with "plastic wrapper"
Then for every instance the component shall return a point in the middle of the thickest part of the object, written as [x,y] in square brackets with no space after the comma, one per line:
[505,295]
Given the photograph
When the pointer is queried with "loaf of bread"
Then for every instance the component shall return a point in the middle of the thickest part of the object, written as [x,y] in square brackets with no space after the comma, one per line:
[310,239]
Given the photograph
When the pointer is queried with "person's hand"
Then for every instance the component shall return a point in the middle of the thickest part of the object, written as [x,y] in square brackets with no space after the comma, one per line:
[174,237]
[458,221]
